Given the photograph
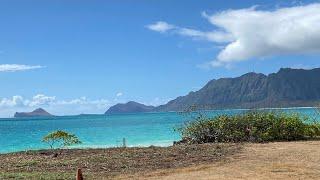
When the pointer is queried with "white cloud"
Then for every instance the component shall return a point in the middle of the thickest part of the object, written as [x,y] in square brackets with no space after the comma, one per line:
[8,106]
[253,34]
[160,26]
[214,36]
[19,101]
[17,67]
[215,64]
[119,94]
[41,100]
[258,34]
[157,101]
[15,101]
[82,101]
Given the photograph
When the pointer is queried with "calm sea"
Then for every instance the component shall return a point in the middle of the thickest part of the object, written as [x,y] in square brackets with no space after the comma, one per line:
[142,129]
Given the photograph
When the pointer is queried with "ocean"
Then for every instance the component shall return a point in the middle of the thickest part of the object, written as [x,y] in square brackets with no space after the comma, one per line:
[96,131]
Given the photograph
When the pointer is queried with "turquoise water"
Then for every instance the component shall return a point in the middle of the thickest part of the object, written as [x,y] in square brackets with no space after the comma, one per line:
[142,129]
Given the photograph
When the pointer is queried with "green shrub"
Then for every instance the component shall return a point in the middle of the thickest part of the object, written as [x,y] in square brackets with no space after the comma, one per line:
[257,126]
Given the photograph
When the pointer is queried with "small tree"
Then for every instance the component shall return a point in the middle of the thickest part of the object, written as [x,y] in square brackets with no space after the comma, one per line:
[60,139]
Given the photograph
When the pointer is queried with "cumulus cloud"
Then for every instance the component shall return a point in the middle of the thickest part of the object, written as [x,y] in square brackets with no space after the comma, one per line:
[160,26]
[17,67]
[119,94]
[293,30]
[40,100]
[252,34]
[52,104]
[15,101]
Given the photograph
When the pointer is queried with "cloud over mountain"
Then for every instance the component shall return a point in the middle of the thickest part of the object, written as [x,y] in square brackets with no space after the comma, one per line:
[252,33]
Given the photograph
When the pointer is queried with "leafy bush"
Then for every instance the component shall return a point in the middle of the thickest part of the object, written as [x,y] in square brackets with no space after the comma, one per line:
[256,126]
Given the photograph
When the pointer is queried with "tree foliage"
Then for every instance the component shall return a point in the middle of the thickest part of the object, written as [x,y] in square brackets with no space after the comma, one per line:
[60,139]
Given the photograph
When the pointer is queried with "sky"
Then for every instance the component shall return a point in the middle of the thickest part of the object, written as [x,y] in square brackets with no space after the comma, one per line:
[76,56]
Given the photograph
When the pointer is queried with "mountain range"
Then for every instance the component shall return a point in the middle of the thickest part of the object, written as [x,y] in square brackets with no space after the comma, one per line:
[286,88]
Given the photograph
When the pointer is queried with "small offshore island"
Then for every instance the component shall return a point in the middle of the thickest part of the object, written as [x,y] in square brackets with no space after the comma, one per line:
[36,113]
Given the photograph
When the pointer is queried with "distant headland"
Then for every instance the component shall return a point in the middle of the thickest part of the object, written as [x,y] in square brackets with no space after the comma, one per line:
[129,107]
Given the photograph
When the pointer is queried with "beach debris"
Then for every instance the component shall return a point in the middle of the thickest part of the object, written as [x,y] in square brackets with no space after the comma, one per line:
[124,142]
[54,155]
[79,174]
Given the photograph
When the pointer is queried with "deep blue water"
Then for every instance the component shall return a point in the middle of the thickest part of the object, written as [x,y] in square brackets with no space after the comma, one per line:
[142,129]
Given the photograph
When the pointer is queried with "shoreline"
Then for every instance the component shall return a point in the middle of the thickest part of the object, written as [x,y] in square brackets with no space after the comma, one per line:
[98,147]
[92,147]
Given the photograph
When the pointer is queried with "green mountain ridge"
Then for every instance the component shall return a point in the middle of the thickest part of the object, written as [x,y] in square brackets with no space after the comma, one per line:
[286,88]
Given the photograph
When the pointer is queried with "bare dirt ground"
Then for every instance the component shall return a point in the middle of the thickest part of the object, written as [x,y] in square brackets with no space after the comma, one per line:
[279,160]
[109,163]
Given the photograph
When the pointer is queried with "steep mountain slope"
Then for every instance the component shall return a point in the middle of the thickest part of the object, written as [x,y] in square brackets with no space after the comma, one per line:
[286,88]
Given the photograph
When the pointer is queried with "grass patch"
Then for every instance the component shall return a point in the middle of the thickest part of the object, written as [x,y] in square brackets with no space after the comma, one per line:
[36,175]
[254,126]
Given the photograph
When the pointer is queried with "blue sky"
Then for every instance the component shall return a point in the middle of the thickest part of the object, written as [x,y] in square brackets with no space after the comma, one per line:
[75,57]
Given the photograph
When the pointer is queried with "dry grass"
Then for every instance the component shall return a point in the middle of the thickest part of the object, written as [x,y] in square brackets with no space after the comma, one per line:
[279,160]
[109,163]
